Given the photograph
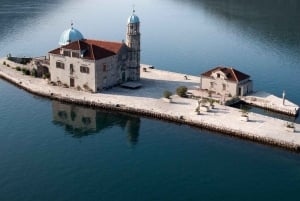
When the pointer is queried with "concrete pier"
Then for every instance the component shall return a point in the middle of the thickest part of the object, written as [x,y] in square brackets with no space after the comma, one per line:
[147,101]
[271,102]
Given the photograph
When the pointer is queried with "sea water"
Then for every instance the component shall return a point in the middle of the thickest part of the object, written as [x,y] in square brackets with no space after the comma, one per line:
[55,151]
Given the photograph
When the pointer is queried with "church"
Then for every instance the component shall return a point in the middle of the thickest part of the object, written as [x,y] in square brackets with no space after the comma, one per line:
[95,65]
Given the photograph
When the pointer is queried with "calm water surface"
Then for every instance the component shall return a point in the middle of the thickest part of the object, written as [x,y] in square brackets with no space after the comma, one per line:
[54,151]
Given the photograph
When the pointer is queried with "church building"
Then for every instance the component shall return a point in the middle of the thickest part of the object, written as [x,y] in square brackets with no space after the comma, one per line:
[95,65]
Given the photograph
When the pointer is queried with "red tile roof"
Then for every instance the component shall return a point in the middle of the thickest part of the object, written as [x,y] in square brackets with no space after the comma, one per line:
[93,49]
[231,73]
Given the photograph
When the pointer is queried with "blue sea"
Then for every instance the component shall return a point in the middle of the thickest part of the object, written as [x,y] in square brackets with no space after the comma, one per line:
[55,151]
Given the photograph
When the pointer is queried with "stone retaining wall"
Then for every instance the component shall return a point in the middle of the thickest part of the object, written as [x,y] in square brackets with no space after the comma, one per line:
[161,116]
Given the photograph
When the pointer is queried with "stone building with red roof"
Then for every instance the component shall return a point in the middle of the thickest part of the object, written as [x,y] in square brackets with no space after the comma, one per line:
[95,65]
[226,81]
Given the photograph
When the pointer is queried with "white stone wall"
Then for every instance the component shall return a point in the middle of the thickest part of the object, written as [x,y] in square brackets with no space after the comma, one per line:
[216,84]
[107,73]
[246,87]
[104,73]
[64,75]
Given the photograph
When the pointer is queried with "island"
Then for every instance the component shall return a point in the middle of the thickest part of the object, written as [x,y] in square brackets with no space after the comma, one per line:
[109,75]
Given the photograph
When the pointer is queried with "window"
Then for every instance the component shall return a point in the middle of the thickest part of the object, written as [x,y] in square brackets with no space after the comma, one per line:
[218,75]
[84,69]
[104,69]
[211,84]
[67,53]
[60,65]
[224,87]
[75,54]
[71,69]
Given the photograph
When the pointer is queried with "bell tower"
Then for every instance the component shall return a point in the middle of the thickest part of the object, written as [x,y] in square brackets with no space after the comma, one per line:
[133,38]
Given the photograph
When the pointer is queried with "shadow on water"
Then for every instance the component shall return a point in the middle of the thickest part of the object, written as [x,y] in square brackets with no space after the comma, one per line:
[274,22]
[80,121]
[250,108]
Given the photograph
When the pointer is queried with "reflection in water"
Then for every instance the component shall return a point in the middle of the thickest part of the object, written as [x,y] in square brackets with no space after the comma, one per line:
[80,121]
[274,21]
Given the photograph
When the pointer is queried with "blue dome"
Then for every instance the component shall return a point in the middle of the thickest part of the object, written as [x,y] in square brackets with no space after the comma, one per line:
[70,35]
[133,19]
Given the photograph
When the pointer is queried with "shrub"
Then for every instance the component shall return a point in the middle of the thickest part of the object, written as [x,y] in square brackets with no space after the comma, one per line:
[25,71]
[181,91]
[7,65]
[290,125]
[4,62]
[86,87]
[18,68]
[211,101]
[52,83]
[46,75]
[78,88]
[34,72]
[167,94]
[244,110]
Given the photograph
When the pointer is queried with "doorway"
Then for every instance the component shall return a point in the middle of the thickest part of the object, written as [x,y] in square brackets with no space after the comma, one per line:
[123,77]
[240,91]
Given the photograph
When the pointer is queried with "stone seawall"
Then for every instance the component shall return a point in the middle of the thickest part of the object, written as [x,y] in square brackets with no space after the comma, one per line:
[160,116]
[223,119]
[272,103]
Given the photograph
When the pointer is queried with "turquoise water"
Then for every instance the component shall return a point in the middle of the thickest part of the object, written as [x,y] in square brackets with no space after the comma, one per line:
[54,151]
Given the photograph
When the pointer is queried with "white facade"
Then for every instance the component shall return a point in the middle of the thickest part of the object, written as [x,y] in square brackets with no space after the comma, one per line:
[226,81]
[69,73]
[96,65]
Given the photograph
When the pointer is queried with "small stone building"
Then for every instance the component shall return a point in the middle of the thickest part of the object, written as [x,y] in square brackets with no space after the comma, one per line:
[226,81]
[95,65]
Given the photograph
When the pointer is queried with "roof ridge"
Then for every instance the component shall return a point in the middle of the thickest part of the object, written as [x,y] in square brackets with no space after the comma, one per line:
[105,41]
[233,72]
[79,44]
[92,51]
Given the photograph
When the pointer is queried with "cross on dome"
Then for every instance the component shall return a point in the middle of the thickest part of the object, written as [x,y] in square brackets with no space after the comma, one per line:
[70,35]
[133,19]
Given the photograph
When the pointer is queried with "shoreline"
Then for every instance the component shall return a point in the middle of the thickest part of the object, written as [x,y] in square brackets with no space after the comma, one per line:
[210,120]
